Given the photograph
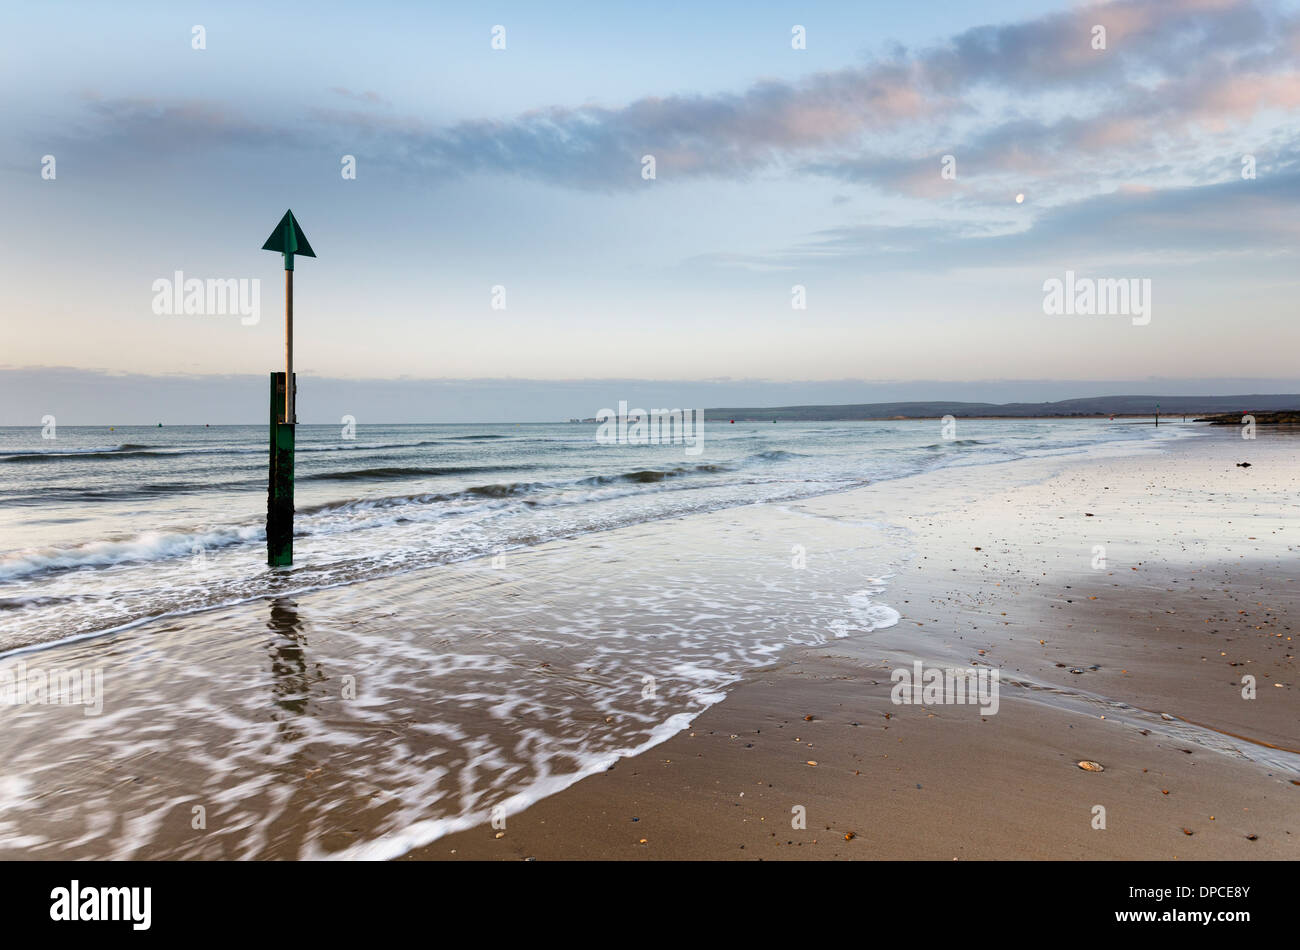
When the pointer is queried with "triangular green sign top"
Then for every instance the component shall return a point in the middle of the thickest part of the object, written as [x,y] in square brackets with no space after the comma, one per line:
[288,239]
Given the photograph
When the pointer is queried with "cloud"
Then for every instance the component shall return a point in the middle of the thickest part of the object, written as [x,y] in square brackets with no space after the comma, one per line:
[369,97]
[1172,69]
[140,128]
[1028,100]
[1233,218]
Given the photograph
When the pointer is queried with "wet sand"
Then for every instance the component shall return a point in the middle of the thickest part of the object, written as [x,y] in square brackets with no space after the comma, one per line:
[1198,589]
[399,717]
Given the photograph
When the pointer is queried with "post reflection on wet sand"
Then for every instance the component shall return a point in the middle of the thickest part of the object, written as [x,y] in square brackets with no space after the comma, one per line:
[290,677]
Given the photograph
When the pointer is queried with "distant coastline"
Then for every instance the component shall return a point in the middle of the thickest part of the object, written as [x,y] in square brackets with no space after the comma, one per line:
[1090,408]
[1291,417]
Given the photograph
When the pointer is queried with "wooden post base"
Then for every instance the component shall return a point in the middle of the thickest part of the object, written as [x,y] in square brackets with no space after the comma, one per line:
[279,485]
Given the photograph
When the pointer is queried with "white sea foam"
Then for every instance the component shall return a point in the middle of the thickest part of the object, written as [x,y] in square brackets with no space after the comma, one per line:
[150,546]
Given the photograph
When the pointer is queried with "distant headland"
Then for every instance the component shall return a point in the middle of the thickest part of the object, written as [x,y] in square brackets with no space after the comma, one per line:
[1228,407]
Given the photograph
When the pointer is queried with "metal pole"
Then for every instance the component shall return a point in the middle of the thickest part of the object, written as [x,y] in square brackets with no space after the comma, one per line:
[288,347]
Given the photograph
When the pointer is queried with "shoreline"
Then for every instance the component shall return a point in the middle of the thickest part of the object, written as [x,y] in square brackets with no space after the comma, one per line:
[725,787]
[479,686]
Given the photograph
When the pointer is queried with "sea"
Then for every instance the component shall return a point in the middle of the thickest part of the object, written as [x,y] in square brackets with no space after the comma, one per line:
[102,527]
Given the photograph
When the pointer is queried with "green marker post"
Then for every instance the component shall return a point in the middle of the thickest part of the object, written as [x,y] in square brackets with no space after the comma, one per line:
[288,239]
[279,484]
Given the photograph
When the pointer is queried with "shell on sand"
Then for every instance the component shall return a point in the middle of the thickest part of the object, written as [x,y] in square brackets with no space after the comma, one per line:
[1089,766]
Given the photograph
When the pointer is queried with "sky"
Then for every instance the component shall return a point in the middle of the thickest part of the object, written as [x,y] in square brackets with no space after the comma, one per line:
[501,224]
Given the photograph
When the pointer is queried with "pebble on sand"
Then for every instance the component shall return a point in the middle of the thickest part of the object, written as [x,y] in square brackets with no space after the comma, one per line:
[1090,766]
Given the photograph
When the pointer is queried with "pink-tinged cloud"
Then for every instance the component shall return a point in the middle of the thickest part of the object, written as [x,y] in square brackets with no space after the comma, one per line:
[1172,70]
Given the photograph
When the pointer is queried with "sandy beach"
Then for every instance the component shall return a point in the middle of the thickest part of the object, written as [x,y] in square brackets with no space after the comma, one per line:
[1197,590]
[697,687]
